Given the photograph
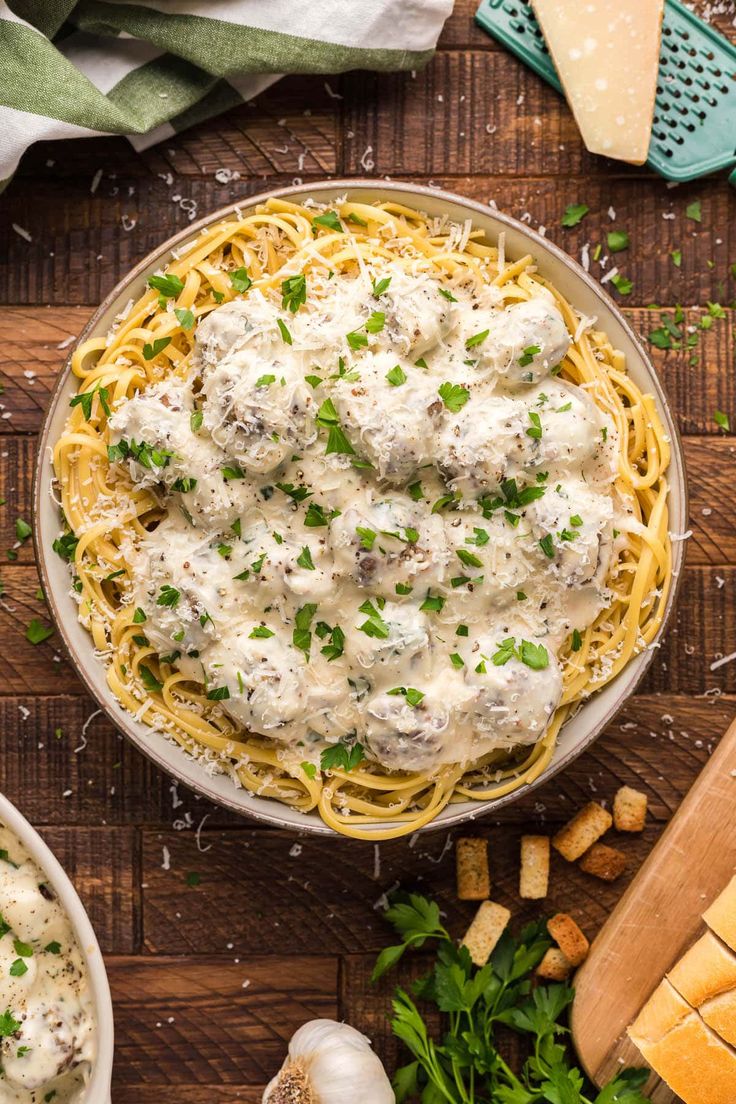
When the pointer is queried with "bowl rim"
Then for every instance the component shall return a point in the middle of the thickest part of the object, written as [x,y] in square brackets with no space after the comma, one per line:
[98,1088]
[312,825]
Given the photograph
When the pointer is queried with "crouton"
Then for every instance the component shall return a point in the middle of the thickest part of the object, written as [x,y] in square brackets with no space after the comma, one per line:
[629,810]
[582,831]
[569,938]
[534,875]
[554,966]
[473,878]
[607,863]
[485,931]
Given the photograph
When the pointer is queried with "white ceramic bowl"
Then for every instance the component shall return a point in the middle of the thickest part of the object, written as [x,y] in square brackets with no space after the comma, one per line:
[582,291]
[98,1090]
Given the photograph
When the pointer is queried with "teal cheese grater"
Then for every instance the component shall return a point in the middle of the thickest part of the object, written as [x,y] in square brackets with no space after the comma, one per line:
[694,128]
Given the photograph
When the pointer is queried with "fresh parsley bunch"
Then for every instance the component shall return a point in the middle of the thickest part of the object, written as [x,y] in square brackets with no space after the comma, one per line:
[465,1066]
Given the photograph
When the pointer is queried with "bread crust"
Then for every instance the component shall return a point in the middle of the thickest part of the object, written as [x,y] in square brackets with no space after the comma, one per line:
[721,916]
[580,833]
[707,969]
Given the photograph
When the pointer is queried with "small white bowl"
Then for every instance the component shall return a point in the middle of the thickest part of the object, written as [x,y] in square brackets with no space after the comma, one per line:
[586,295]
[98,1089]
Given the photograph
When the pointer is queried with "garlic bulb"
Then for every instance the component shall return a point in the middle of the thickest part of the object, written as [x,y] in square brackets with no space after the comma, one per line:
[330,1063]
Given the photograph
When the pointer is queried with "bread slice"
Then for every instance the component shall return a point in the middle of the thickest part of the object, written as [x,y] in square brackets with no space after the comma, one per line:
[629,810]
[485,931]
[707,969]
[720,1014]
[683,1050]
[721,916]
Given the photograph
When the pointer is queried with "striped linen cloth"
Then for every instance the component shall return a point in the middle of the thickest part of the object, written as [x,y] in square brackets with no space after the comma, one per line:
[151,68]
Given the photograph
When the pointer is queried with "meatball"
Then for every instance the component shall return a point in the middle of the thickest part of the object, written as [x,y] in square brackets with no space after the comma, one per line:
[230,327]
[158,418]
[401,736]
[577,526]
[525,342]
[181,583]
[512,702]
[391,425]
[388,543]
[418,317]
[485,443]
[257,408]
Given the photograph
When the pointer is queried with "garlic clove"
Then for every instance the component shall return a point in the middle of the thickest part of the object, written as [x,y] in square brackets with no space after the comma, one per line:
[326,1062]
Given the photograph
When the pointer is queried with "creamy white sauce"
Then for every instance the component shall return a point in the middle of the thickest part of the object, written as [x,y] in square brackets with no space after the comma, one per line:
[447,586]
[44,989]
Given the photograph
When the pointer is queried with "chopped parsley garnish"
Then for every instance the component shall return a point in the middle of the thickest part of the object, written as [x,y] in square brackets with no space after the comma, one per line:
[139,616]
[8,1024]
[240,279]
[461,630]
[167,286]
[443,501]
[168,597]
[577,641]
[375,625]
[260,632]
[265,381]
[225,550]
[454,396]
[574,213]
[528,355]
[145,455]
[506,651]
[396,376]
[37,632]
[622,284]
[302,636]
[413,697]
[356,340]
[330,220]
[403,588]
[676,255]
[149,680]
[195,420]
[530,654]
[415,491]
[285,335]
[722,420]
[342,756]
[185,317]
[376,322]
[218,693]
[297,493]
[304,559]
[535,429]
[317,516]
[380,286]
[693,211]
[456,660]
[336,646]
[479,538]
[448,295]
[313,381]
[547,546]
[65,546]
[367,537]
[86,398]
[618,240]
[511,498]
[468,558]
[433,603]
[576,521]
[232,471]
[293,293]
[184,484]
[152,350]
[309,769]
[336,439]
[476,339]
[520,596]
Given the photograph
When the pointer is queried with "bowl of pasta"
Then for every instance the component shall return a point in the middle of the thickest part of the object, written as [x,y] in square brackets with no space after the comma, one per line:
[355,508]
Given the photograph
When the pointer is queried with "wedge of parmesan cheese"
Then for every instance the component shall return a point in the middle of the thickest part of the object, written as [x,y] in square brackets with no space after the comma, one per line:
[606,53]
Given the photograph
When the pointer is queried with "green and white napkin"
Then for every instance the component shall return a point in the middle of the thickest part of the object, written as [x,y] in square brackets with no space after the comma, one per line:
[151,68]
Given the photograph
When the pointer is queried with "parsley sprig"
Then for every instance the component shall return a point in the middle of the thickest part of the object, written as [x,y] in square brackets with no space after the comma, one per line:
[464,1065]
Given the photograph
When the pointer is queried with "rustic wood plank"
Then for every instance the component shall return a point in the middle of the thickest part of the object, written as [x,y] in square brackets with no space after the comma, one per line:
[328,889]
[290,129]
[89,232]
[104,867]
[211,1020]
[30,338]
[136,1093]
[703,623]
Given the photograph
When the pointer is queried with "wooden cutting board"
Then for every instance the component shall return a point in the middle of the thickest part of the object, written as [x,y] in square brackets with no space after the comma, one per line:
[656,920]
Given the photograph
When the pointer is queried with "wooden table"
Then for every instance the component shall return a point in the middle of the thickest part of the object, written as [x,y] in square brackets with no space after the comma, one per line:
[210,980]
